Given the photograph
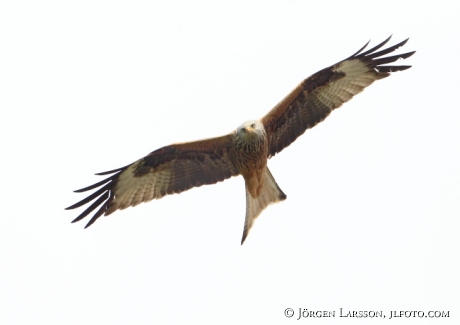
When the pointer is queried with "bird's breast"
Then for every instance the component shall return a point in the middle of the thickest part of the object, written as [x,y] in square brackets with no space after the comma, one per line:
[251,161]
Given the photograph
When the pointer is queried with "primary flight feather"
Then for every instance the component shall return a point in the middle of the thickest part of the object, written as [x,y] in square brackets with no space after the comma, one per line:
[244,151]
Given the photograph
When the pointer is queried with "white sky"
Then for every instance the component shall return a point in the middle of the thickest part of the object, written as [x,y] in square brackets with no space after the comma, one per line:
[372,218]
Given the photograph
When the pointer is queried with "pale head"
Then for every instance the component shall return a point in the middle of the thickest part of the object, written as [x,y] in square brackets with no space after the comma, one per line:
[251,129]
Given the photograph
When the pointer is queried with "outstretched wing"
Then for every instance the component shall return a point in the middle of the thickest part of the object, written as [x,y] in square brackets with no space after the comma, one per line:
[315,98]
[168,170]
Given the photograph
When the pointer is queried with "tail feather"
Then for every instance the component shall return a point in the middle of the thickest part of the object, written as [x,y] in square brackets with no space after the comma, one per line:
[271,193]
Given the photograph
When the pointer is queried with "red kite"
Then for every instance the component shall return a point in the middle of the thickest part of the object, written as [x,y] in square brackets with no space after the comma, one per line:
[244,151]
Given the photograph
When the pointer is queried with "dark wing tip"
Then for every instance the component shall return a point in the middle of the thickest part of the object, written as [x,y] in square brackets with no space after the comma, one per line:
[408,54]
[375,48]
[111,171]
[392,68]
[377,60]
[371,54]
[94,185]
[103,181]
[107,187]
[102,201]
[99,213]
[359,51]
[104,197]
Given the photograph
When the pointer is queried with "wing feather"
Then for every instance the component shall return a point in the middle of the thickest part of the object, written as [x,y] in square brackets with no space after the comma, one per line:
[168,170]
[317,96]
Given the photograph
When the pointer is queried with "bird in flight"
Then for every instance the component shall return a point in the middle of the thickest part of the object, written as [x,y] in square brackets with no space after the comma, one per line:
[244,151]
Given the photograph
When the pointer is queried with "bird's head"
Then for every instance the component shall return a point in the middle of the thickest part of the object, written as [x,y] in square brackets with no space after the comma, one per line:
[251,130]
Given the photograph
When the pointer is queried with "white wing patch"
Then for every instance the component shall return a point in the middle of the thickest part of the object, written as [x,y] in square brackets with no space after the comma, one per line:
[357,77]
[131,191]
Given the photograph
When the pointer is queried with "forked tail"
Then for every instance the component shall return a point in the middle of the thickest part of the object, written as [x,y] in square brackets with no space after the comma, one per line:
[270,193]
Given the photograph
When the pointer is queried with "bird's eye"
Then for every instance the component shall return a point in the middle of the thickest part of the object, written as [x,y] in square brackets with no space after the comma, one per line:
[253,125]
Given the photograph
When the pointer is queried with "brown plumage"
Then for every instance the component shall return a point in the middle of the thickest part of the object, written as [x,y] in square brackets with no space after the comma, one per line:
[179,167]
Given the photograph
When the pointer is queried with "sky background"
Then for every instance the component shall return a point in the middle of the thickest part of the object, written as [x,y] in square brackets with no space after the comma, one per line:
[372,219]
